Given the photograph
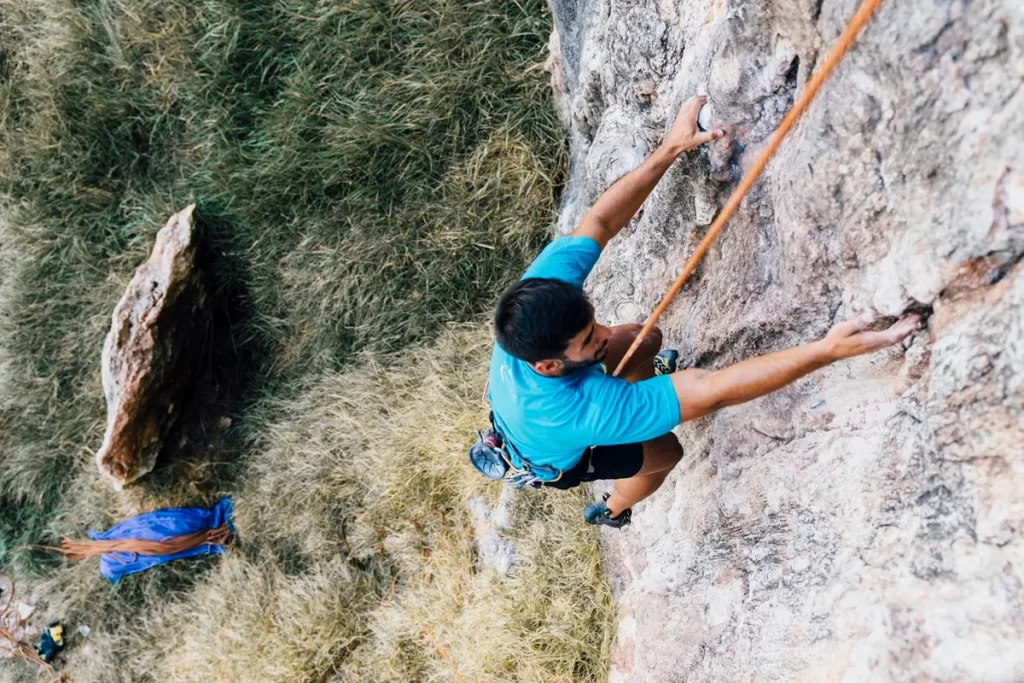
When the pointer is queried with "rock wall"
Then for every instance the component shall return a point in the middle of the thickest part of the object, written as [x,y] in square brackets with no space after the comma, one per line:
[866,523]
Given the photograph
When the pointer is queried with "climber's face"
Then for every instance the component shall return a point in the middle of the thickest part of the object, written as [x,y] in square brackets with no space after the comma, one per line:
[588,347]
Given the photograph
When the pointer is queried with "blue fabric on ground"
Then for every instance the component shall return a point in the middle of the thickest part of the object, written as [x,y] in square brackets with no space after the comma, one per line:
[159,525]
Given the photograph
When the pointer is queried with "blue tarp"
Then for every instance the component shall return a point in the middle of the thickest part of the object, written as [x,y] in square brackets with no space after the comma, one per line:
[159,525]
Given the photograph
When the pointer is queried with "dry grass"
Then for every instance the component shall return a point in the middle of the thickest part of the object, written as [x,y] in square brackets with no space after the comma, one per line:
[370,173]
[358,561]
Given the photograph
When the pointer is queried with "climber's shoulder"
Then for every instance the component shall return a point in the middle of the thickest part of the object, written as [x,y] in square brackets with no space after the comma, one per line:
[568,258]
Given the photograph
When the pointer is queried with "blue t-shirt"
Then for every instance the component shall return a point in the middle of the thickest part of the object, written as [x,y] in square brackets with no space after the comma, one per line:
[553,420]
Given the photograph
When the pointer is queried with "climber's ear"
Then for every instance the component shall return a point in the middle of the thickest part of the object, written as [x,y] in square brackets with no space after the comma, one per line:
[548,368]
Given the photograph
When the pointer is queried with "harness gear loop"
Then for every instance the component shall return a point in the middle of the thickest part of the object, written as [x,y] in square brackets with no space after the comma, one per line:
[843,44]
[527,474]
[496,457]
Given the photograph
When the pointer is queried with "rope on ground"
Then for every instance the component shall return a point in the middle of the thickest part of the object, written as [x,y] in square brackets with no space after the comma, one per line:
[10,621]
[79,550]
[843,44]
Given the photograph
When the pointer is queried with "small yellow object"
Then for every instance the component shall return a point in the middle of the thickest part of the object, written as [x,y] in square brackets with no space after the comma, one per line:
[57,633]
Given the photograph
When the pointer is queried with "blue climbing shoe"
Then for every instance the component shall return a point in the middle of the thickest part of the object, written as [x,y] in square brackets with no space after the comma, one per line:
[665,362]
[598,515]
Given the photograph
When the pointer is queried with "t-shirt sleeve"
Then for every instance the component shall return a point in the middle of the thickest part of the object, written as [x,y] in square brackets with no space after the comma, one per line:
[619,412]
[569,259]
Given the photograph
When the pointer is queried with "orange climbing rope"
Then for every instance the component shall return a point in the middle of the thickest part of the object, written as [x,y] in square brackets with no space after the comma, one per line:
[79,550]
[843,44]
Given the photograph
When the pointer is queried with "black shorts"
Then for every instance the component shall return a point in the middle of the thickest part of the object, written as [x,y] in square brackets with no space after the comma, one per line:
[603,462]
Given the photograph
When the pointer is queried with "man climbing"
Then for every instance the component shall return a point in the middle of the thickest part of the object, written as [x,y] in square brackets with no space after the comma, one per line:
[567,421]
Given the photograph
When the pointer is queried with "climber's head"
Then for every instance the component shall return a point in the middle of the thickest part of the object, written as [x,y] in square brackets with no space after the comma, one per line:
[550,324]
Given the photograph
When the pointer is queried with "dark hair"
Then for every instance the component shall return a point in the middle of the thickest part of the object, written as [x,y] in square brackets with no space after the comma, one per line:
[537,317]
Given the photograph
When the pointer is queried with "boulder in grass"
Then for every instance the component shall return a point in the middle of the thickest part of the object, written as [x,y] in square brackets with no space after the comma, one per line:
[151,354]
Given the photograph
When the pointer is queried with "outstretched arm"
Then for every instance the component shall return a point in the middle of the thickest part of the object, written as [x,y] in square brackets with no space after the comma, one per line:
[622,200]
[701,392]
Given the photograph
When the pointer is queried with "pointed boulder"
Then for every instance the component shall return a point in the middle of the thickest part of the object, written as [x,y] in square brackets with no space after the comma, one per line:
[152,351]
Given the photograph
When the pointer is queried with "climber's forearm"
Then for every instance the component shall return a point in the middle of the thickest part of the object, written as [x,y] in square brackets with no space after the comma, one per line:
[701,392]
[621,201]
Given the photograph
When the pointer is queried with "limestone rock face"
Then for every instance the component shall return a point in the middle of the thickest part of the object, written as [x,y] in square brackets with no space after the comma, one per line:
[866,523]
[150,354]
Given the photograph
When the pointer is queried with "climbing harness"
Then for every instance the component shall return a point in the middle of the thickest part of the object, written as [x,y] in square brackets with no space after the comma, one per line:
[845,41]
[496,458]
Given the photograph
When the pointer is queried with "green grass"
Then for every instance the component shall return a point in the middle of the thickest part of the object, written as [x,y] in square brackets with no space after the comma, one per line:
[368,174]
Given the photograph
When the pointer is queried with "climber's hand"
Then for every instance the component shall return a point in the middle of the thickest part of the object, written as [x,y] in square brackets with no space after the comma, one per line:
[621,201]
[684,134]
[853,339]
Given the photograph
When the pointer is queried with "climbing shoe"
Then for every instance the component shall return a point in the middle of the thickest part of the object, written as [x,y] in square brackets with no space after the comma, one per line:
[598,515]
[665,362]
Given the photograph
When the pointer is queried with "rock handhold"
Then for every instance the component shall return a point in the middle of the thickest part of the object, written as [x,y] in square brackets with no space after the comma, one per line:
[151,353]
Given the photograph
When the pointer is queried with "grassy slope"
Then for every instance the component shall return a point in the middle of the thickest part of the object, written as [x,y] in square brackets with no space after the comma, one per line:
[368,172]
